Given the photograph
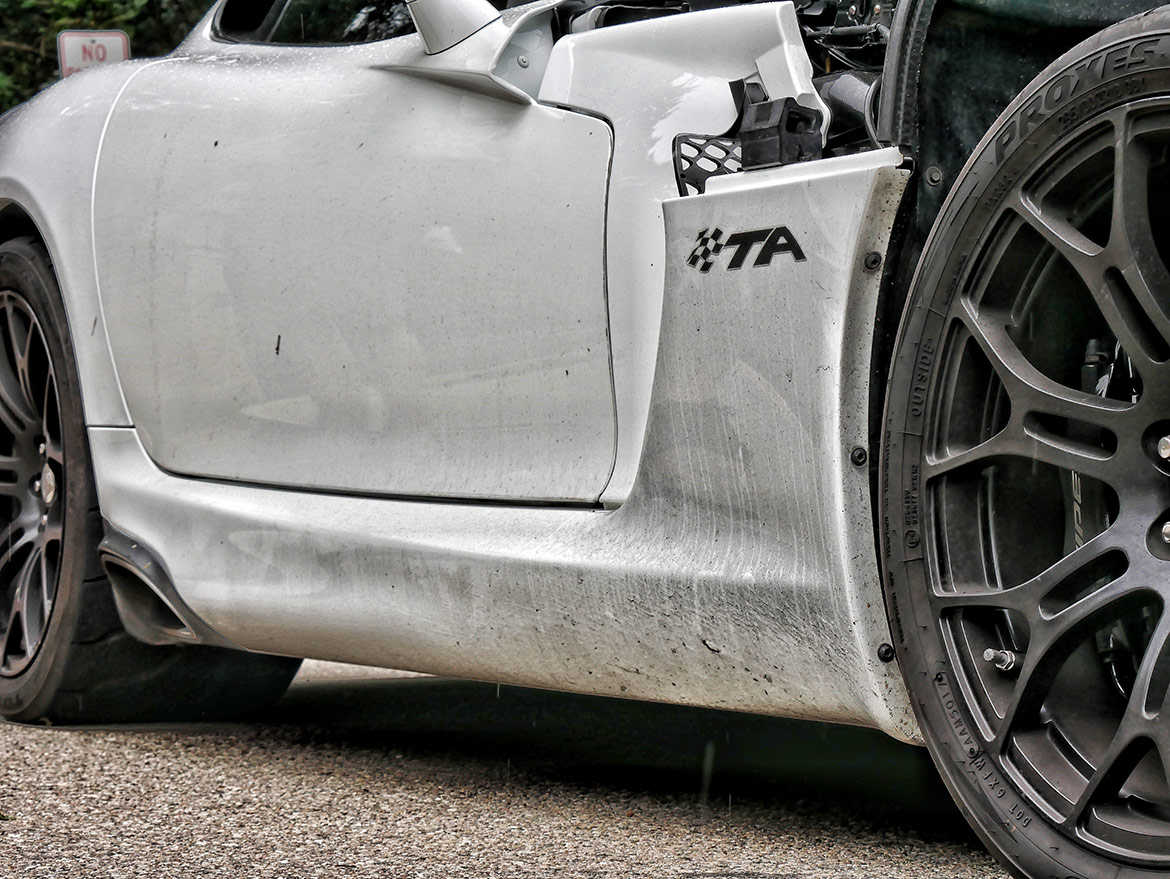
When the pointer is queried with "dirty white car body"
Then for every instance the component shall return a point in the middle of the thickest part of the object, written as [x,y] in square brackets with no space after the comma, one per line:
[397,358]
[601,346]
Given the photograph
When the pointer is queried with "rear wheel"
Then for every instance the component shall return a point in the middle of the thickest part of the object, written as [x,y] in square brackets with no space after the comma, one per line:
[1026,470]
[64,655]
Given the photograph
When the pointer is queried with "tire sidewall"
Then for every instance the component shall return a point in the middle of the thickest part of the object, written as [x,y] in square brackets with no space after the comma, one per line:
[25,267]
[1126,62]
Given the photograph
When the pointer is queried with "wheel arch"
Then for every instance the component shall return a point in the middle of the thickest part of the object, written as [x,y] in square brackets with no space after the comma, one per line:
[67,243]
[16,222]
[48,151]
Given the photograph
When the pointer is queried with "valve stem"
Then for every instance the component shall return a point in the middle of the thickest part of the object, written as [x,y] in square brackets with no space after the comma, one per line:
[1005,660]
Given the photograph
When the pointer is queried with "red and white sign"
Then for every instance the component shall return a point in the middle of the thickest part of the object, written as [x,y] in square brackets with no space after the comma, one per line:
[77,50]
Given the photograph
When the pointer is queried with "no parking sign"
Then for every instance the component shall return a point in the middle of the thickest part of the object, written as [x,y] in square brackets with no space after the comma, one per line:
[77,50]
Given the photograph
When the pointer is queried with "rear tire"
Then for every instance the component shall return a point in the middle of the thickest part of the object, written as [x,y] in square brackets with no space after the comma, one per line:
[1023,493]
[64,655]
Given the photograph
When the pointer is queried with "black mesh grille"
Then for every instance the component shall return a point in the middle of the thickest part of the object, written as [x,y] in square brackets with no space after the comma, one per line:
[698,157]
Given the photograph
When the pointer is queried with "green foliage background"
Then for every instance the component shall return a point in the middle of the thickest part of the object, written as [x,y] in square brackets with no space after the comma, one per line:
[28,34]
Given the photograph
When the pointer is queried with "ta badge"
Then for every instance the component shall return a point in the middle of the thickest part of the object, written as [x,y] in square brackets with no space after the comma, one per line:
[711,243]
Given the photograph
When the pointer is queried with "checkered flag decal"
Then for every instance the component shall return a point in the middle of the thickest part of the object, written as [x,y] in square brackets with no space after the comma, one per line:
[706,248]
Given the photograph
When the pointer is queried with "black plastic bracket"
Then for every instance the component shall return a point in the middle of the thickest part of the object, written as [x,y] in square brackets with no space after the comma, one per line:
[780,133]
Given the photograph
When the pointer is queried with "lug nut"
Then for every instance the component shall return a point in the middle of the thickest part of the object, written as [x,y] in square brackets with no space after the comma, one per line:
[44,521]
[41,448]
[37,487]
[1166,532]
[1005,660]
[1164,447]
[48,484]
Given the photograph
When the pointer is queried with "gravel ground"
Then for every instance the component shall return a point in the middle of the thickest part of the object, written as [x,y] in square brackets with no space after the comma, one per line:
[368,775]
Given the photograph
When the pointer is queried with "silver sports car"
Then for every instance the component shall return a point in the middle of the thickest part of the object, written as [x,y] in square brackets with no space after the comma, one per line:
[810,359]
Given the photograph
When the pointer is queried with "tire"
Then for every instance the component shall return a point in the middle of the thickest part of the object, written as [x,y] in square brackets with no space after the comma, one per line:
[64,655]
[1022,492]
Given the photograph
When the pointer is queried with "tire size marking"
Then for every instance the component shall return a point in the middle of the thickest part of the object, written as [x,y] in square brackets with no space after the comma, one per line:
[979,766]
[1088,74]
[1000,187]
[1116,92]
[1017,812]
[910,499]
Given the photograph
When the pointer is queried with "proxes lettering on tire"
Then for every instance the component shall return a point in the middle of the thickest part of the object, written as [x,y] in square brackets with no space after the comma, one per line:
[1077,81]
[710,243]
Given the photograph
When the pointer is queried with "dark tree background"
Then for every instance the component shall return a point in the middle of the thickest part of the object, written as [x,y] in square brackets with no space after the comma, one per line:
[28,34]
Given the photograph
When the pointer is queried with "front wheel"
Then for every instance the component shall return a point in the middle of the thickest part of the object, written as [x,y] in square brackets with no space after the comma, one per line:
[64,654]
[1026,471]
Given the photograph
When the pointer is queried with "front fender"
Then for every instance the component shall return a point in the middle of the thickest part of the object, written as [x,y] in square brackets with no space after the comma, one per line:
[48,153]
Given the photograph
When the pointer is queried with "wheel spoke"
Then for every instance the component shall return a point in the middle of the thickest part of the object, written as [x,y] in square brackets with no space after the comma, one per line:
[15,414]
[48,406]
[1081,253]
[1153,676]
[1041,444]
[1029,389]
[1123,276]
[54,452]
[51,532]
[20,337]
[32,608]
[1082,564]
[1119,760]
[1023,441]
[1091,611]
[13,540]
[20,605]
[1053,638]
[1002,445]
[13,625]
[1133,248]
[1138,724]
[48,584]
[11,484]
[1109,289]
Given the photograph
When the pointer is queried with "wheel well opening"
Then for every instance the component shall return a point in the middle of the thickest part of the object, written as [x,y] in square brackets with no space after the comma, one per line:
[16,223]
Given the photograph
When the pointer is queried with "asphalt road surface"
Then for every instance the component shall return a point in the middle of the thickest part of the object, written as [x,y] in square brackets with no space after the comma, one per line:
[356,773]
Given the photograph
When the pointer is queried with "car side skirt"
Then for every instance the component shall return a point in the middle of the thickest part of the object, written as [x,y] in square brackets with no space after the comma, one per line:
[741,573]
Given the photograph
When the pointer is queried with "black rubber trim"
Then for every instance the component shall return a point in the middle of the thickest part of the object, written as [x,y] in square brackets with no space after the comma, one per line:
[897,121]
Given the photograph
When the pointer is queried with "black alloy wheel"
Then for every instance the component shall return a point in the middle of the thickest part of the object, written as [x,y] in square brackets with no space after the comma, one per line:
[32,480]
[1026,471]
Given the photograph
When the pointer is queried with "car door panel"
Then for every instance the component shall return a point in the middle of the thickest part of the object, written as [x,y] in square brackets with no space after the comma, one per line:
[322,273]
